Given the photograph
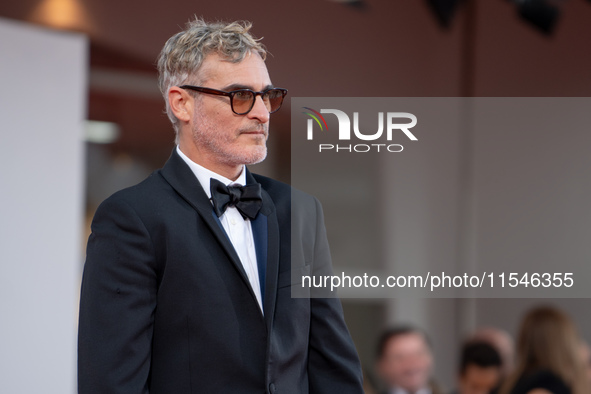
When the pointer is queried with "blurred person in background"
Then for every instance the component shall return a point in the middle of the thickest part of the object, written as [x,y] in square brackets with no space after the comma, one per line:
[502,342]
[480,368]
[548,356]
[405,361]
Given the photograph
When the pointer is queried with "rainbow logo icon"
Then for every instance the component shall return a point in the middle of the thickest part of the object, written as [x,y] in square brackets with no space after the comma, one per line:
[315,115]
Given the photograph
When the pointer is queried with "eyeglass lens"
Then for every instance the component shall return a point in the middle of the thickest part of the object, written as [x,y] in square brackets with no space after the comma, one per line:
[243,100]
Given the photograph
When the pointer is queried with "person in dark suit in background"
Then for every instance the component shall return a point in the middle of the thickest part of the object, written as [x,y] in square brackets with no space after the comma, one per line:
[186,285]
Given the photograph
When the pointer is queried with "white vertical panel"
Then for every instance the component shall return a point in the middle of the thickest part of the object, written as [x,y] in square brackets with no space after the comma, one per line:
[42,107]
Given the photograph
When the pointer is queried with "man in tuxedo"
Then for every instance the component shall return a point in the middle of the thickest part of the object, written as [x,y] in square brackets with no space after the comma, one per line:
[188,276]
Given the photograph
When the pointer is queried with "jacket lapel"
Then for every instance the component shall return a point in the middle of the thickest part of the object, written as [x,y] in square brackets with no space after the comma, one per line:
[178,174]
[259,234]
[267,226]
[272,267]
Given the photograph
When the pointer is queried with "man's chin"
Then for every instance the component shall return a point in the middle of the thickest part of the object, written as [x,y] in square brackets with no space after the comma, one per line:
[258,157]
[250,156]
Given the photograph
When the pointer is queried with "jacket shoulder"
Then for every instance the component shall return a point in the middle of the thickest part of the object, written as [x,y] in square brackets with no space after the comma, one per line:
[140,195]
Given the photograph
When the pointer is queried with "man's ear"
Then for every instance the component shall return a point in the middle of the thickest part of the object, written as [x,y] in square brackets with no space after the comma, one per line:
[181,103]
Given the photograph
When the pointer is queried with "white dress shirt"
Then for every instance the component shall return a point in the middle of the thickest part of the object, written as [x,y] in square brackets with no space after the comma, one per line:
[238,229]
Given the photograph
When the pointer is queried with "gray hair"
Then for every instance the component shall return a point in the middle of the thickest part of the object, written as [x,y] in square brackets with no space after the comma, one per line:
[184,52]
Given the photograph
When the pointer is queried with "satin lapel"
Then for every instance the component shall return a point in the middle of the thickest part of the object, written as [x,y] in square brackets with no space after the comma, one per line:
[272,267]
[272,252]
[181,178]
[259,234]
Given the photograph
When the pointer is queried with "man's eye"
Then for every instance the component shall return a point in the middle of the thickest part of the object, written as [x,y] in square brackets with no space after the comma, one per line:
[243,95]
[273,94]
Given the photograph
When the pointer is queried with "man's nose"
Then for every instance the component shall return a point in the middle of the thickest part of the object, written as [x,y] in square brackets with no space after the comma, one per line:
[259,110]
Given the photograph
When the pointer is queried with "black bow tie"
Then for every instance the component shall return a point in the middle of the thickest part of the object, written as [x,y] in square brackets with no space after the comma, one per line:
[247,199]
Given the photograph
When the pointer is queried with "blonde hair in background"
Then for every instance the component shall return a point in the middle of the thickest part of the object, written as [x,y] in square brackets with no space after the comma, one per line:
[183,53]
[548,340]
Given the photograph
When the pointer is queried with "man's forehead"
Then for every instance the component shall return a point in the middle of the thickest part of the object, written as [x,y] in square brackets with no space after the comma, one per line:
[245,72]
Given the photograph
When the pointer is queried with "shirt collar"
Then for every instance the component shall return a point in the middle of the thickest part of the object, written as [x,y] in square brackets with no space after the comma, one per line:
[204,175]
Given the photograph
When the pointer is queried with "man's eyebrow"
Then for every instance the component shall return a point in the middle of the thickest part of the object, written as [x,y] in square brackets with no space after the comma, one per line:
[237,86]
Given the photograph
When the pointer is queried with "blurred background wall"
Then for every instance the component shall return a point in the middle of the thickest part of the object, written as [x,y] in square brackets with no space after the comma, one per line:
[324,48]
[43,106]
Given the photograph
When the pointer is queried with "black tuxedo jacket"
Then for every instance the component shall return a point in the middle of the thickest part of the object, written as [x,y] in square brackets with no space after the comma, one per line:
[166,307]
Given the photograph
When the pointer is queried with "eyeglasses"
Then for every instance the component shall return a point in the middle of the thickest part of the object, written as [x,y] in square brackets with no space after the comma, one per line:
[242,100]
